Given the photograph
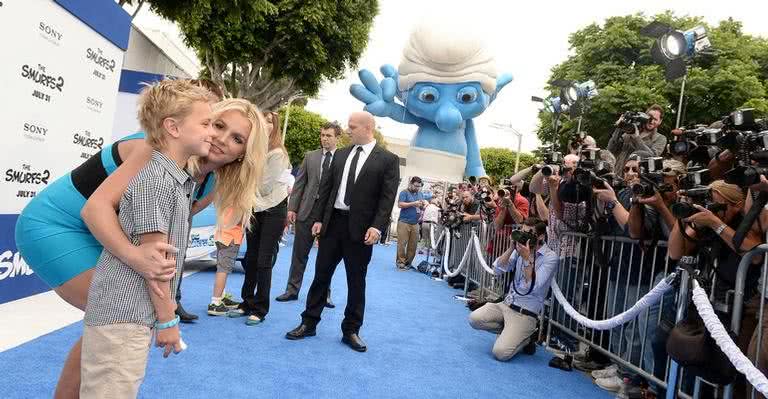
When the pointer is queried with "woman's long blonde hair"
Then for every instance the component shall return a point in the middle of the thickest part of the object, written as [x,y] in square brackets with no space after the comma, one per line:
[237,182]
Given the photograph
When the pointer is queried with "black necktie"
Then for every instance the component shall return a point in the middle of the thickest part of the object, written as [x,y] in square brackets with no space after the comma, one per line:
[326,164]
[351,176]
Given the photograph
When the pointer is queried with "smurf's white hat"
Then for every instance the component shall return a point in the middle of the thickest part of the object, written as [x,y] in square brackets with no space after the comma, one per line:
[446,55]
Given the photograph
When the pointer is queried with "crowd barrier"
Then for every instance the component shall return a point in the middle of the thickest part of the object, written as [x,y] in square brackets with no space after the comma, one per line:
[616,296]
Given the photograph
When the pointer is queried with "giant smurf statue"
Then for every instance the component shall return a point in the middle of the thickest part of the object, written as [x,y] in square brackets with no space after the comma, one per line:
[445,79]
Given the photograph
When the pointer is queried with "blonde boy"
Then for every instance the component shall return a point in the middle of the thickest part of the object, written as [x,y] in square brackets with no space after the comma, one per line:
[122,311]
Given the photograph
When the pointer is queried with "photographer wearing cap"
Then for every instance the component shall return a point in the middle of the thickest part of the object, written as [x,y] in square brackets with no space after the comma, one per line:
[631,137]
[533,265]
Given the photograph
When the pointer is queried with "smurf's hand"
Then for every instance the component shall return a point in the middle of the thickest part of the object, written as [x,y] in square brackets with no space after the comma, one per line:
[379,97]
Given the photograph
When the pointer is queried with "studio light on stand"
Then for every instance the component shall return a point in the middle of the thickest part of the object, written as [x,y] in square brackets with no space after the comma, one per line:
[674,49]
[556,107]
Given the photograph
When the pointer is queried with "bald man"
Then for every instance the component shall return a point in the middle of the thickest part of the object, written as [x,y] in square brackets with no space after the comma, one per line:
[353,207]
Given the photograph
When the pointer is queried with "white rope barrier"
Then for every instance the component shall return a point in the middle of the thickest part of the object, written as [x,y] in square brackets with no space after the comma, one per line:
[434,244]
[724,341]
[479,254]
[464,260]
[646,301]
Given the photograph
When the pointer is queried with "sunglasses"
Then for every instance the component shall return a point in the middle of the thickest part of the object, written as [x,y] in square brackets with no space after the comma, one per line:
[632,168]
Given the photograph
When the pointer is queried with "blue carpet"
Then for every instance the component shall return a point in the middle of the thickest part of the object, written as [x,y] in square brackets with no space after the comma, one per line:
[419,345]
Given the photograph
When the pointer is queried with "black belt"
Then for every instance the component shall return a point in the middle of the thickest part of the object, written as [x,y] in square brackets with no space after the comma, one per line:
[524,311]
[341,212]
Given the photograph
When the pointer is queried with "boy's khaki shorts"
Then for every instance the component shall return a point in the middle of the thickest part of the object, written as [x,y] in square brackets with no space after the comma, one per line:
[114,359]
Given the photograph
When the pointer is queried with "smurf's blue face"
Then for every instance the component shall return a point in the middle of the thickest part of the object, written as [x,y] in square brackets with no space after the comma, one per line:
[448,105]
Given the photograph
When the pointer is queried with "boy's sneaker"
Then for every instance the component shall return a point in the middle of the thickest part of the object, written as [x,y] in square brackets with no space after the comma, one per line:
[237,312]
[229,302]
[612,384]
[217,310]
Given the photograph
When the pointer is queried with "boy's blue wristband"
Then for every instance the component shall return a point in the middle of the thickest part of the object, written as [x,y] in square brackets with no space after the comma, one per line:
[167,324]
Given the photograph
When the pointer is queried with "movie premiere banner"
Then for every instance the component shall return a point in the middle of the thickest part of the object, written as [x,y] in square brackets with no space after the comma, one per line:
[59,77]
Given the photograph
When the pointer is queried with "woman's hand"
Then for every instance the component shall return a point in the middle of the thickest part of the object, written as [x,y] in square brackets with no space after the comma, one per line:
[152,263]
[704,218]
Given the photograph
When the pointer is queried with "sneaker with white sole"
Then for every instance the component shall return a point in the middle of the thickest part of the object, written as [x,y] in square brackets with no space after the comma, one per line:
[612,384]
[217,310]
[229,302]
[606,372]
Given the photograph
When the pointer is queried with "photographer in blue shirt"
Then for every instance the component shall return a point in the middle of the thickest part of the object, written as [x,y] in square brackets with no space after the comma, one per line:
[533,265]
[411,203]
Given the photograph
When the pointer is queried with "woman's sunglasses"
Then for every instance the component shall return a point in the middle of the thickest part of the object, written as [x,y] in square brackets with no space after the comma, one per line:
[632,168]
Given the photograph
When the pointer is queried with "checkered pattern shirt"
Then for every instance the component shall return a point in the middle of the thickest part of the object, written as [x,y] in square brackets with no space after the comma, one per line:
[157,200]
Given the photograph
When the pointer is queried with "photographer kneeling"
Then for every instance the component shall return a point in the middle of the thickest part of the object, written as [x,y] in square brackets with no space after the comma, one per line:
[533,266]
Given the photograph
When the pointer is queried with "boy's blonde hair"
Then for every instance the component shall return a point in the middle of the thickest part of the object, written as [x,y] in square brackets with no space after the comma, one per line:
[167,99]
[237,182]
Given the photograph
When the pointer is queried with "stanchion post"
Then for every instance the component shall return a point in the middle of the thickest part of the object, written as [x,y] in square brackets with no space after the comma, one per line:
[682,304]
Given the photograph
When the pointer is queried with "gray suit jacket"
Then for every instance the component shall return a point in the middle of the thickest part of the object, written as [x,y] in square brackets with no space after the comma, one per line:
[306,186]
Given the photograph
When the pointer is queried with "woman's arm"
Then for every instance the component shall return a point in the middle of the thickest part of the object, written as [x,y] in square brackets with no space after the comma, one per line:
[202,204]
[100,215]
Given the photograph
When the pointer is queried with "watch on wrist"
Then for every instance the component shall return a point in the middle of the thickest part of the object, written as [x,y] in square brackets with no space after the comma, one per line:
[720,229]
[610,205]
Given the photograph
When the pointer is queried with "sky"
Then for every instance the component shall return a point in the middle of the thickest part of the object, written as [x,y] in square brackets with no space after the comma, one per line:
[528,39]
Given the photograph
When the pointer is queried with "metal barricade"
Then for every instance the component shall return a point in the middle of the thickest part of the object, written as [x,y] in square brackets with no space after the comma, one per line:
[755,351]
[602,291]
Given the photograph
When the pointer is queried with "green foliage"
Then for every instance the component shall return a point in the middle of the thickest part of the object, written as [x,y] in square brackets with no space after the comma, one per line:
[345,141]
[303,132]
[267,51]
[618,59]
[500,162]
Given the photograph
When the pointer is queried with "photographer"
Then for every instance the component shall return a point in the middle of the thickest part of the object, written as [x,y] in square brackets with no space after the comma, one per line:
[656,212]
[715,231]
[533,266]
[643,140]
[470,208]
[512,207]
[583,141]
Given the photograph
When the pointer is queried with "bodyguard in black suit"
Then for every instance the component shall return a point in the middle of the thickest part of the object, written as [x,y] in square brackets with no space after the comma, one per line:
[353,208]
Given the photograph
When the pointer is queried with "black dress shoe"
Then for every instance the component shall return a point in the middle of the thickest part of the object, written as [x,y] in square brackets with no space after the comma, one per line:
[300,332]
[185,317]
[285,297]
[354,341]
[329,304]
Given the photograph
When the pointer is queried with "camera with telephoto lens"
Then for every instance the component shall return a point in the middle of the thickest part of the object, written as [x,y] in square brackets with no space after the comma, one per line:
[483,195]
[553,160]
[523,237]
[701,196]
[695,178]
[591,170]
[698,145]
[507,189]
[651,178]
[630,120]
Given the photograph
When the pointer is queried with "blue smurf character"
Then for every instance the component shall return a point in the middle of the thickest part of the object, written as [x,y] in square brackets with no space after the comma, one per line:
[445,79]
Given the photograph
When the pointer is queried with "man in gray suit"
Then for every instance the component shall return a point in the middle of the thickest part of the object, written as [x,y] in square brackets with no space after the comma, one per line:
[300,206]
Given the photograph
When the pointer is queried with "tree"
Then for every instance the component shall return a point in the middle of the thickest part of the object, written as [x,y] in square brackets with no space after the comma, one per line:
[303,132]
[500,162]
[618,59]
[345,141]
[267,51]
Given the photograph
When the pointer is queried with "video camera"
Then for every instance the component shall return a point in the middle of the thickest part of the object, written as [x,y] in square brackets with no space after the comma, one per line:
[695,178]
[651,178]
[700,196]
[698,145]
[630,119]
[747,139]
[593,172]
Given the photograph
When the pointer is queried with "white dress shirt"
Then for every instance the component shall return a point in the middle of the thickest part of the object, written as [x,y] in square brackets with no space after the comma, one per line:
[322,159]
[367,148]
